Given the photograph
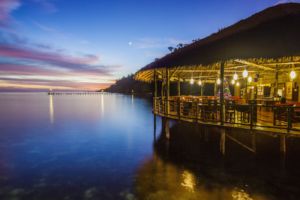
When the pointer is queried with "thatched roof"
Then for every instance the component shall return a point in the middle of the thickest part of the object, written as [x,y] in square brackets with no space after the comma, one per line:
[270,34]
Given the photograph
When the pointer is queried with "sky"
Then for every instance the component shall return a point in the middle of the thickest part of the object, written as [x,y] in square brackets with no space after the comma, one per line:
[88,44]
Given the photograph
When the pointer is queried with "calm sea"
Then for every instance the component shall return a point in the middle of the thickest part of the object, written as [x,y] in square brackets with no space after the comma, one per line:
[102,147]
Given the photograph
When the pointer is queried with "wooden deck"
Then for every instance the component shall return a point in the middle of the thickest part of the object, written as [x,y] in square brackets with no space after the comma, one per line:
[258,118]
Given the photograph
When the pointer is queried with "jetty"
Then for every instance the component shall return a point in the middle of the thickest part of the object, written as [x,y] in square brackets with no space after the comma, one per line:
[253,67]
[74,93]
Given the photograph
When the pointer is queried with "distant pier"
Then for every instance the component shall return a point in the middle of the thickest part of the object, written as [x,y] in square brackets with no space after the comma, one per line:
[74,93]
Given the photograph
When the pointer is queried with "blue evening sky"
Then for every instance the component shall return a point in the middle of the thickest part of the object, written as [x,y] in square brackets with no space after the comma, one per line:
[111,38]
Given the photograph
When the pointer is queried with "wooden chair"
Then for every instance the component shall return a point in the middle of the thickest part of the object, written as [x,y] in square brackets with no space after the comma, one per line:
[230,111]
[211,110]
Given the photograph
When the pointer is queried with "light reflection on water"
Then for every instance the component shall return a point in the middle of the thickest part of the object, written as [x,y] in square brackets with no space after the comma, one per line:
[98,147]
[159,180]
[51,109]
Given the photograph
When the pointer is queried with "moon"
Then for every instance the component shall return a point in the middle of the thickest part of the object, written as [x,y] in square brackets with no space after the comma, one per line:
[130,43]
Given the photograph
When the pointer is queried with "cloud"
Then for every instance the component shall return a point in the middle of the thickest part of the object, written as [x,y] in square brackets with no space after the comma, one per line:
[25,63]
[6,7]
[84,63]
[34,77]
[28,65]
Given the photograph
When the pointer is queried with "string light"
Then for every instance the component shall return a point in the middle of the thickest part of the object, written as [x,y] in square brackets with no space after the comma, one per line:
[192,81]
[249,79]
[232,81]
[218,81]
[235,76]
[293,74]
[245,73]
[238,84]
[200,82]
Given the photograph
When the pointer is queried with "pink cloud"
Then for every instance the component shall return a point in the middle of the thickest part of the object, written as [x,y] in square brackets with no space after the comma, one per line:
[20,69]
[6,7]
[85,63]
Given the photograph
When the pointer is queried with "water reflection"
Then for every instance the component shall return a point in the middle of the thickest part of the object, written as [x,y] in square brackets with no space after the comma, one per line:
[102,104]
[161,180]
[132,99]
[240,194]
[186,166]
[51,109]
[188,180]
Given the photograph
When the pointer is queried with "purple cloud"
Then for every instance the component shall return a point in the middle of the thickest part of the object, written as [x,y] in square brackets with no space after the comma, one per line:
[85,63]
[6,7]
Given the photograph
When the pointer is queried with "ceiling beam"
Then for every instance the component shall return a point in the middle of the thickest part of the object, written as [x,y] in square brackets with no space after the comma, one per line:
[253,64]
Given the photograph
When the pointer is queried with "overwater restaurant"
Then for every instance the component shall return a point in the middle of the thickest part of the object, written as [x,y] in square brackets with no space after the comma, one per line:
[251,68]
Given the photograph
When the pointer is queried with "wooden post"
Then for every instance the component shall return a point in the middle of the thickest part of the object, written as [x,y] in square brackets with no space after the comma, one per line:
[167,91]
[155,92]
[201,88]
[178,86]
[162,100]
[222,93]
[206,134]
[276,83]
[154,129]
[253,141]
[215,88]
[178,94]
[222,141]
[165,128]
[283,145]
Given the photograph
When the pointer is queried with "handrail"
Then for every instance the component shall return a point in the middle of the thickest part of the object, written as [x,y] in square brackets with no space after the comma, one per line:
[252,115]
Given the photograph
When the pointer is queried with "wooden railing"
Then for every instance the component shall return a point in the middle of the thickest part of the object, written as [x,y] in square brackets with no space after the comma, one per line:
[250,115]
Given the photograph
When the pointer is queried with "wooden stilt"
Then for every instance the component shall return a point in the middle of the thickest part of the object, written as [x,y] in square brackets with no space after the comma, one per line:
[222,141]
[167,129]
[253,133]
[283,152]
[154,128]
[283,145]
[205,134]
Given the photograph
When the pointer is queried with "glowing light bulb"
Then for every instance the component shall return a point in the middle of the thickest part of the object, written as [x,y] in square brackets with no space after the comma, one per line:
[245,73]
[293,74]
[192,81]
[232,81]
[238,84]
[199,82]
[249,79]
[218,81]
[235,76]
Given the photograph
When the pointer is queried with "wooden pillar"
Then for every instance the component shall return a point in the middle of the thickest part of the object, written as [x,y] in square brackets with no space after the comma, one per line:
[167,90]
[155,91]
[162,88]
[154,128]
[206,134]
[215,88]
[222,93]
[276,83]
[178,86]
[253,133]
[165,128]
[222,141]
[283,145]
